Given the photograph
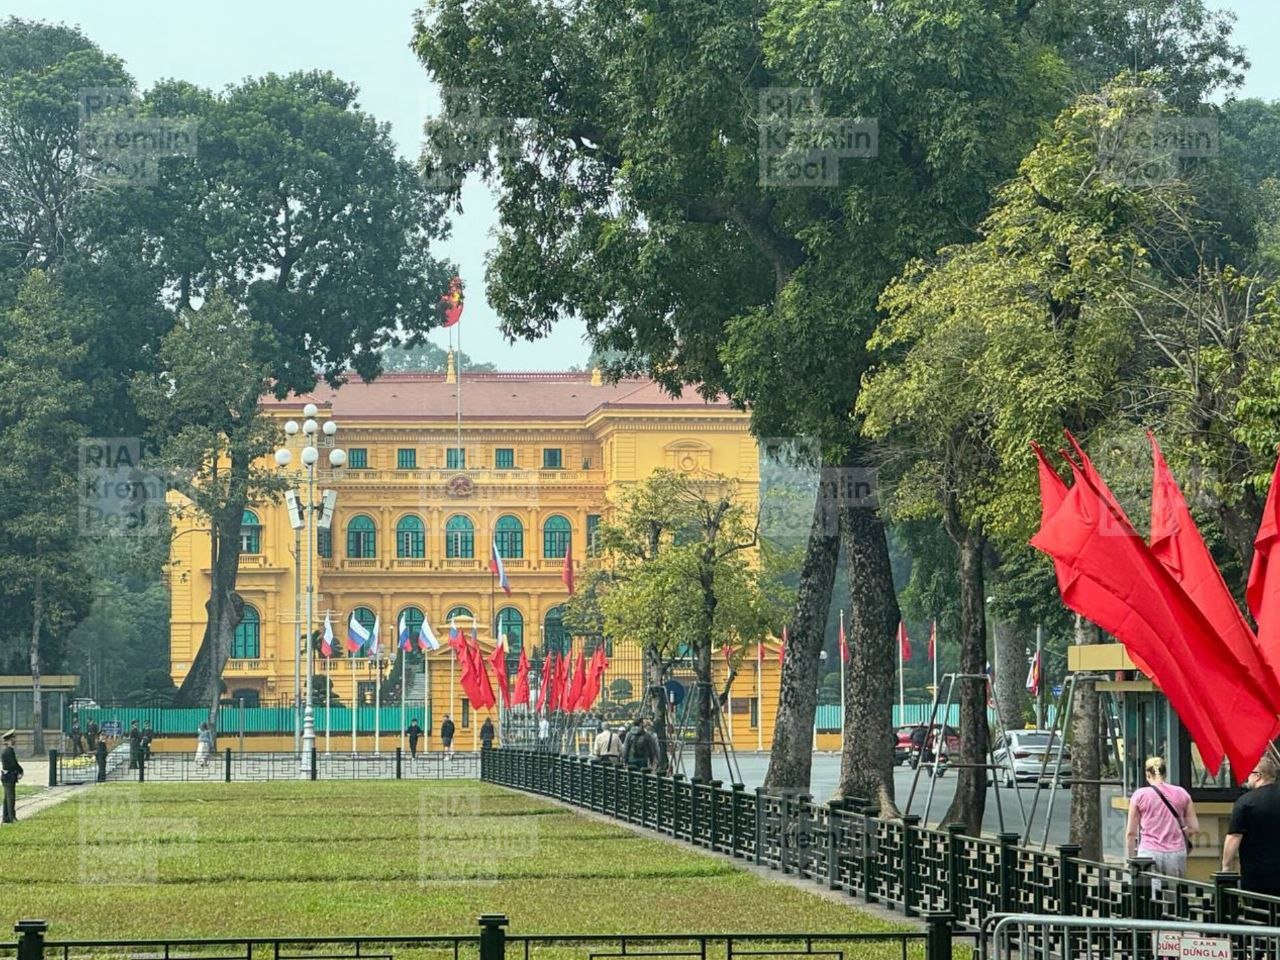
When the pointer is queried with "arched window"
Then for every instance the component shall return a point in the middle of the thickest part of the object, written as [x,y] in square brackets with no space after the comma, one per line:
[362,538]
[459,538]
[511,624]
[413,620]
[509,534]
[555,537]
[410,538]
[247,642]
[463,615]
[250,533]
[554,635]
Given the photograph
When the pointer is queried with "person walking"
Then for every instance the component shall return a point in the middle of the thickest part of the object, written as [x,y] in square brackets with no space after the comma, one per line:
[100,754]
[446,736]
[1253,835]
[204,744]
[1161,821]
[10,774]
[414,733]
[607,747]
[486,734]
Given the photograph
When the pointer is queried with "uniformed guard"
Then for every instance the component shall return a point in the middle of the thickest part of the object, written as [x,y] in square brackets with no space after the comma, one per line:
[10,774]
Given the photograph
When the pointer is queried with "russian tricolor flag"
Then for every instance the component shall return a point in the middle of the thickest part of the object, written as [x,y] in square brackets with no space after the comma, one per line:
[357,635]
[406,635]
[497,568]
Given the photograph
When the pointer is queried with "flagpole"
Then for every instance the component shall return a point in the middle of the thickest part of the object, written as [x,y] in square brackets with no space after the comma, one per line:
[404,691]
[759,699]
[377,701]
[934,635]
[902,686]
[840,655]
[328,688]
[1039,678]
[355,701]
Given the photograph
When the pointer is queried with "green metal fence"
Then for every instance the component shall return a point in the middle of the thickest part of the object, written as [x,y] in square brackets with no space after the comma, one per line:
[185,721]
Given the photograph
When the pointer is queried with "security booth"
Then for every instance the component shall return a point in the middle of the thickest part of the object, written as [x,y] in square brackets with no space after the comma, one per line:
[17,699]
[1147,726]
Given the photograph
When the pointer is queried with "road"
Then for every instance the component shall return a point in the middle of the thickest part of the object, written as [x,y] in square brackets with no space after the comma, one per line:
[826,771]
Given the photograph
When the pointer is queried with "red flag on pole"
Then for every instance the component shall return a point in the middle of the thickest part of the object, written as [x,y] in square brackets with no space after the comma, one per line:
[450,309]
[1263,591]
[547,679]
[579,683]
[498,660]
[844,644]
[521,694]
[1177,544]
[558,692]
[933,641]
[1129,593]
[566,575]
[904,642]
[595,674]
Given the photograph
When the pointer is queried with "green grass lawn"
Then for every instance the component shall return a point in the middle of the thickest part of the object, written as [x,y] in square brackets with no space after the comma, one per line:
[343,858]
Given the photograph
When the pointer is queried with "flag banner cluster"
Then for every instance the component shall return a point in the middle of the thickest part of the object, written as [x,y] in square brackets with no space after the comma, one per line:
[568,685]
[1167,603]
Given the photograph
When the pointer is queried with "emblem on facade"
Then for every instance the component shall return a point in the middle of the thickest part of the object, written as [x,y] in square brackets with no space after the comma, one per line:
[460,486]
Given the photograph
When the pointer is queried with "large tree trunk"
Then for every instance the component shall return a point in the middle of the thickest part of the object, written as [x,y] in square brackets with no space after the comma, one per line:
[866,763]
[225,607]
[1011,674]
[1086,759]
[702,750]
[37,712]
[791,755]
[970,800]
[656,693]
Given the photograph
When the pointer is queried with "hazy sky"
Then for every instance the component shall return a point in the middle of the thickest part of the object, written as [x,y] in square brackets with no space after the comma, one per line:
[213,44]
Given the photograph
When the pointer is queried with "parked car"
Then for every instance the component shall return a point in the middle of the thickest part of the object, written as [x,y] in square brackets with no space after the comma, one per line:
[1020,755]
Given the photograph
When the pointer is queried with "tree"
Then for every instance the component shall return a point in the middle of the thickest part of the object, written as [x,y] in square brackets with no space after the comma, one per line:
[426,357]
[42,581]
[684,583]
[212,441]
[298,210]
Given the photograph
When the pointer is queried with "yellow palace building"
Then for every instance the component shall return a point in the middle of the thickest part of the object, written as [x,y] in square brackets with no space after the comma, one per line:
[432,481]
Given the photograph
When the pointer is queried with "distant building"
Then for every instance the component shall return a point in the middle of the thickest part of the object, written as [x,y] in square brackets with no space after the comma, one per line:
[418,511]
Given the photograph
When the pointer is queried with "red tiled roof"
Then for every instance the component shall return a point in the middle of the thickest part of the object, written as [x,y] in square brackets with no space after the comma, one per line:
[491,396]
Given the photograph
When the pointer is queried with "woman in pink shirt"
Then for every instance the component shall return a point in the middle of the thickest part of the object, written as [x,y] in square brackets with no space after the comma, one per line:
[1163,816]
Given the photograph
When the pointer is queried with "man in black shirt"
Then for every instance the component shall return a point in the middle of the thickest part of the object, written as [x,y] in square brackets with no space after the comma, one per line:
[1254,833]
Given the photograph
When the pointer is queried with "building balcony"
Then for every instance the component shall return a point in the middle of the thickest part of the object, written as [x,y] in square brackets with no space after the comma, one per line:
[361,563]
[460,563]
[410,563]
[486,476]
[242,668]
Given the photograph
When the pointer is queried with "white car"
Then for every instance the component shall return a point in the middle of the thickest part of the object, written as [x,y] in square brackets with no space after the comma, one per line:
[1020,755]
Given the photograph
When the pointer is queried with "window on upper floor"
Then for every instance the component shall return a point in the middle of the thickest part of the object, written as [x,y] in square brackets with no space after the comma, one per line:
[358,458]
[246,644]
[410,538]
[593,534]
[555,537]
[552,458]
[459,538]
[504,458]
[250,533]
[362,538]
[455,458]
[508,533]
[406,458]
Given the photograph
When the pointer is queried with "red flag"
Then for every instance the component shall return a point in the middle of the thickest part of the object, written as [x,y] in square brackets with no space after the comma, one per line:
[728,653]
[1263,591]
[1177,544]
[498,660]
[595,677]
[566,575]
[844,644]
[782,646]
[760,651]
[479,675]
[547,679]
[561,692]
[1126,591]
[904,642]
[522,681]
[579,684]
[933,641]
[451,303]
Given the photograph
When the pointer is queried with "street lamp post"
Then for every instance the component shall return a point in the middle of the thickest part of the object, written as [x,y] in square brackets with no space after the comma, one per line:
[310,454]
